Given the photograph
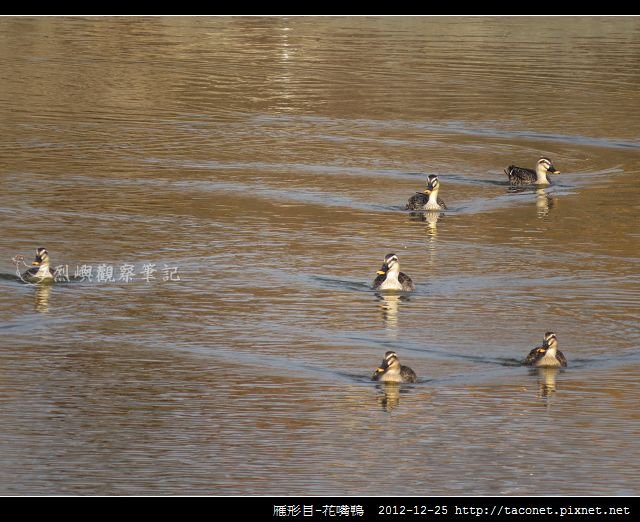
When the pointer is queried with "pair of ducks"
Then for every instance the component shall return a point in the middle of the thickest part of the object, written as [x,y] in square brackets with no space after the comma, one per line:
[545,356]
[429,199]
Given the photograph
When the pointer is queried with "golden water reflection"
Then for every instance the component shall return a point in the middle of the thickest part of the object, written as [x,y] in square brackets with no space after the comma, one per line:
[389,394]
[546,381]
[389,306]
[544,202]
[42,296]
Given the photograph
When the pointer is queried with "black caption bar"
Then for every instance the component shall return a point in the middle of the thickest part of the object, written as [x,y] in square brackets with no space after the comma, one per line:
[396,509]
[356,508]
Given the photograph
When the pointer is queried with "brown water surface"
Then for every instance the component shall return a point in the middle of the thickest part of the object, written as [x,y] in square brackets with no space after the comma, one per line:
[260,166]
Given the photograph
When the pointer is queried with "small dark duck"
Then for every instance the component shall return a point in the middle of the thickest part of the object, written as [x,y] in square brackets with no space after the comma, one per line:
[392,371]
[40,270]
[427,200]
[390,277]
[524,176]
[548,354]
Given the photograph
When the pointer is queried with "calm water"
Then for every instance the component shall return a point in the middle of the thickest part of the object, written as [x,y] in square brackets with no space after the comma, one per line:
[260,167]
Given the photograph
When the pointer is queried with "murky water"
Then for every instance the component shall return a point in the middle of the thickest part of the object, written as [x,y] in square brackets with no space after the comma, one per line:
[221,192]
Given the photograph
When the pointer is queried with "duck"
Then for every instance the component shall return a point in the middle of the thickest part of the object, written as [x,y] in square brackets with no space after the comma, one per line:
[427,200]
[40,271]
[524,176]
[390,370]
[547,355]
[390,277]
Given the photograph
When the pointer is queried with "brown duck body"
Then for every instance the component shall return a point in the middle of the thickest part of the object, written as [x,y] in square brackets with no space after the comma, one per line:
[40,272]
[429,199]
[390,277]
[392,371]
[539,176]
[419,202]
[521,175]
[547,355]
[404,283]
[538,357]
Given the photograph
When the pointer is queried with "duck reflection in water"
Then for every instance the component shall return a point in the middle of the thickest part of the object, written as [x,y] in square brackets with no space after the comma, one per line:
[389,306]
[546,381]
[544,202]
[430,218]
[389,396]
[43,293]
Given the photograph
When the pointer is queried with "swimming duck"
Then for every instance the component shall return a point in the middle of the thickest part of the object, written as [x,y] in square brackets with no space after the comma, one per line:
[390,277]
[392,371]
[427,200]
[523,176]
[40,271]
[548,354]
